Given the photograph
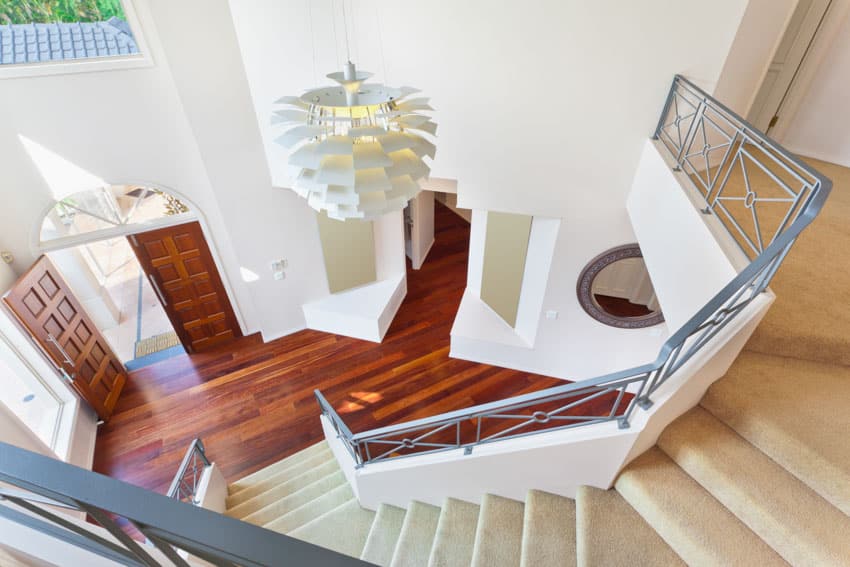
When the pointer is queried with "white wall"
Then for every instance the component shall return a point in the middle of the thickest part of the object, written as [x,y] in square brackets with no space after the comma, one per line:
[686,263]
[752,51]
[526,93]
[187,124]
[821,126]
[546,115]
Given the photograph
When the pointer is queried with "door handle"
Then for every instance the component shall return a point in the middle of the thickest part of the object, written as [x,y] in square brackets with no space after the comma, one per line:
[157,290]
[67,359]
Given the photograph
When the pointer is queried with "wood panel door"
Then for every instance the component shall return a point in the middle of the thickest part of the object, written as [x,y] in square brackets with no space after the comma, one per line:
[181,270]
[45,305]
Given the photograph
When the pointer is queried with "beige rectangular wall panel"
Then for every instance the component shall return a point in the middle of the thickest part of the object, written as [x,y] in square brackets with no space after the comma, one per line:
[348,248]
[505,249]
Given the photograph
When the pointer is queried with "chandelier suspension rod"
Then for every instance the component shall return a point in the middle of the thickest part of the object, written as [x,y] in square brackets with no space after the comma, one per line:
[345,24]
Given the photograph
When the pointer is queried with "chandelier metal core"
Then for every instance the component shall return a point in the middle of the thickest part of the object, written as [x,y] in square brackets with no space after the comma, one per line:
[356,148]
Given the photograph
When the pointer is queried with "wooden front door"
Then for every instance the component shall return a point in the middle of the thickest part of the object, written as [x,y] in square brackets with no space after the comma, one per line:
[180,267]
[45,305]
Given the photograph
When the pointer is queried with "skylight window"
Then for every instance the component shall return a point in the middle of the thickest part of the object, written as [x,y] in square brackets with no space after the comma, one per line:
[47,32]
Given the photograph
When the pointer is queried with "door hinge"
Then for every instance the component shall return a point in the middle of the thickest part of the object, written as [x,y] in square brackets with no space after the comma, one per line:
[773,121]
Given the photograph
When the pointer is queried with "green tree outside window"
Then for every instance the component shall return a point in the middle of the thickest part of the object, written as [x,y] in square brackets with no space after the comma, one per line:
[47,11]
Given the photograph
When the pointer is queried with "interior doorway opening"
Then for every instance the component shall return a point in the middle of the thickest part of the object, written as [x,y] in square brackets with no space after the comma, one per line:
[772,98]
[107,278]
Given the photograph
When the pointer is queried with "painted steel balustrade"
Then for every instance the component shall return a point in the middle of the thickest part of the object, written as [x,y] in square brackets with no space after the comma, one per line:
[712,146]
[184,487]
[168,525]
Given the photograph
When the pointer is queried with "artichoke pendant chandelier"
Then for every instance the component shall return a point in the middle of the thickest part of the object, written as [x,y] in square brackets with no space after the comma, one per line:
[356,148]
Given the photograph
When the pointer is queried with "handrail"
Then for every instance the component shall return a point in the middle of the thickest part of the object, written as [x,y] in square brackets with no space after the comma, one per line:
[703,123]
[195,456]
[168,524]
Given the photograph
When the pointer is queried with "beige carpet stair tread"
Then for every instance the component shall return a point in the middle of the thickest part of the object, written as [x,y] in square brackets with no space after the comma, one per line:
[417,535]
[548,531]
[795,412]
[384,535]
[610,532]
[455,537]
[498,538]
[262,485]
[343,529]
[698,528]
[811,316]
[311,510]
[793,519]
[276,467]
[260,501]
[290,502]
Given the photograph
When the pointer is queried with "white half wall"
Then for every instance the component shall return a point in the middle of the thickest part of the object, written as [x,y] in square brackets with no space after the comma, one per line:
[685,261]
[366,312]
[554,336]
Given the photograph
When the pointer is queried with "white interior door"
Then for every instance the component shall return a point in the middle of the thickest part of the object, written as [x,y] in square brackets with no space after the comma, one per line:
[798,36]
[419,228]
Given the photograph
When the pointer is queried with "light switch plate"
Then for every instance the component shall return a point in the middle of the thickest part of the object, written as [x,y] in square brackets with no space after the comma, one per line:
[551,314]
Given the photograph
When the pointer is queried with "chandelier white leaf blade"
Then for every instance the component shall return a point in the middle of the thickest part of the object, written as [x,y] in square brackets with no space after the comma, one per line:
[357,148]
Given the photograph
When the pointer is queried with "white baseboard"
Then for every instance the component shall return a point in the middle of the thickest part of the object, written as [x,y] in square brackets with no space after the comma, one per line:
[280,335]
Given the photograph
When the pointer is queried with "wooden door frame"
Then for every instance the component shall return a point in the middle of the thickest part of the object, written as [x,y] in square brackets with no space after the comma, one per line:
[195,214]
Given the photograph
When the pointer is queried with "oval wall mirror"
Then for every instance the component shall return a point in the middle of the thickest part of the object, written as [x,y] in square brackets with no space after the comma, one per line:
[615,289]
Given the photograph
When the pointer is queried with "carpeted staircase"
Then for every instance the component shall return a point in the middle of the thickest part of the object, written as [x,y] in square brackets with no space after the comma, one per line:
[757,474]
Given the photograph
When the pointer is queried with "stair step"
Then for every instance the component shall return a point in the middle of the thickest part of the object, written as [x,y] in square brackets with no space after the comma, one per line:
[498,537]
[276,467]
[610,532]
[793,519]
[417,536]
[698,528]
[260,501]
[548,530]
[280,477]
[803,427]
[343,529]
[455,537]
[291,502]
[311,510]
[384,535]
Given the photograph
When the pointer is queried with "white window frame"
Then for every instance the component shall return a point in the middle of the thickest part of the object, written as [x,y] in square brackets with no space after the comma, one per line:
[39,370]
[89,64]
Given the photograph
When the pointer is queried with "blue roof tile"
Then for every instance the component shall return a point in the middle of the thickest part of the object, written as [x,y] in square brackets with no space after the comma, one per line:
[23,43]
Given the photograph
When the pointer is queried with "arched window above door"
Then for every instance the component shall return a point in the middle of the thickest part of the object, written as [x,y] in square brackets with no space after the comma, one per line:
[109,211]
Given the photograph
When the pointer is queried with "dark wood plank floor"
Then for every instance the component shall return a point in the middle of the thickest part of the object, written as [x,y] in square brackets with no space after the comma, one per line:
[252,403]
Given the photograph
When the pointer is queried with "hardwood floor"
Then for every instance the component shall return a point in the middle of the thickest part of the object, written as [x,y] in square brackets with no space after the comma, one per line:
[252,403]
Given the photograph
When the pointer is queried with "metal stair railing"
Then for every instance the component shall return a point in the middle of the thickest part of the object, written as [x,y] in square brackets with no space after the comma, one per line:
[41,484]
[711,146]
[186,481]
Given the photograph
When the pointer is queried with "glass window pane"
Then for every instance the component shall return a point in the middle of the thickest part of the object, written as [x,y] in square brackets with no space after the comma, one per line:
[39,31]
[26,396]
[99,209]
